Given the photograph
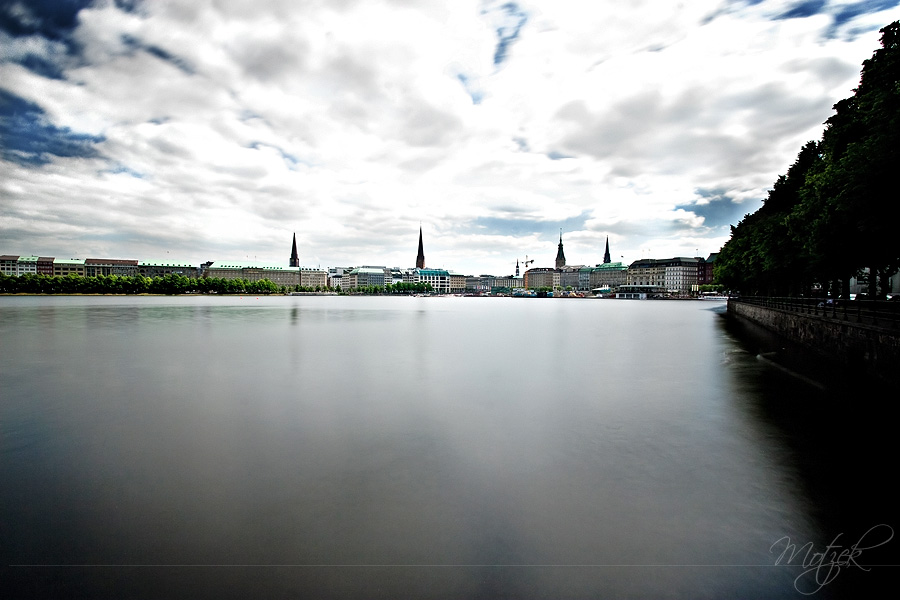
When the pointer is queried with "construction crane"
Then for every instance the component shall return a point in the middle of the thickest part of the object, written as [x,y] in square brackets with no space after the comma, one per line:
[527,262]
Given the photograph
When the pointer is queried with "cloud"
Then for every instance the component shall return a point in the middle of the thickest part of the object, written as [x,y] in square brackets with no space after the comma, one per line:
[214,130]
[28,138]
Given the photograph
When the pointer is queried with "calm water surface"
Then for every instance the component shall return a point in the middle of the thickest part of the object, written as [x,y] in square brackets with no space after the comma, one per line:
[411,447]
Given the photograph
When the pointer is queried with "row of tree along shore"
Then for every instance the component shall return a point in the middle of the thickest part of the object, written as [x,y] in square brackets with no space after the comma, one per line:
[834,215]
[175,284]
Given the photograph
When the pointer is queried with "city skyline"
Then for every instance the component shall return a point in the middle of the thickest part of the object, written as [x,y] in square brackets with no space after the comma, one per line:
[135,129]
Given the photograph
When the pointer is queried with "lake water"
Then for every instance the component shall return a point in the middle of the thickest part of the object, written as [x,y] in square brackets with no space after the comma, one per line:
[365,447]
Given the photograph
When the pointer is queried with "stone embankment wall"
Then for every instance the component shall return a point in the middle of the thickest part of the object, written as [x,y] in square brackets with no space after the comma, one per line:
[861,348]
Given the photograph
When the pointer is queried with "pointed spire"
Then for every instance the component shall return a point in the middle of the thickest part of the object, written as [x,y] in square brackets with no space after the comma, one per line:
[606,256]
[420,258]
[560,256]
[517,267]
[295,258]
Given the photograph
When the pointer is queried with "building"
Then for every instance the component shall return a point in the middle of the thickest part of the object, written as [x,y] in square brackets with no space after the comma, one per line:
[640,292]
[277,274]
[607,275]
[647,271]
[490,283]
[161,268]
[420,257]
[94,267]
[8,264]
[569,277]
[361,277]
[457,283]
[336,276]
[540,277]
[27,265]
[705,274]
[681,275]
[676,275]
[313,278]
[45,265]
[560,255]
[295,258]
[439,279]
[68,266]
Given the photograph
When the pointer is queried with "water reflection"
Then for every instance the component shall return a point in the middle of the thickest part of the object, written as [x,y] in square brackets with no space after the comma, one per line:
[392,447]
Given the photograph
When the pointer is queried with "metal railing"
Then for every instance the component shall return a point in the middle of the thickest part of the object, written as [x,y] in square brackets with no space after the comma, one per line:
[877,313]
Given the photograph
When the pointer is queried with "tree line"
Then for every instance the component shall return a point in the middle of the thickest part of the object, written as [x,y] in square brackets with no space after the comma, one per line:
[835,213]
[174,283]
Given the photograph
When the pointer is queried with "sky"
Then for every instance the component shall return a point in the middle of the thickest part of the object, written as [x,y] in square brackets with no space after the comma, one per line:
[198,130]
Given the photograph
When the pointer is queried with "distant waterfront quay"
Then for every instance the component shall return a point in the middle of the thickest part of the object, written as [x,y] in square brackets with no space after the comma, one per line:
[435,447]
[679,277]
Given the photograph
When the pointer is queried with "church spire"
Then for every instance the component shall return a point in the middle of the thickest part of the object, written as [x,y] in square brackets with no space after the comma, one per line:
[420,258]
[295,259]
[606,257]
[560,256]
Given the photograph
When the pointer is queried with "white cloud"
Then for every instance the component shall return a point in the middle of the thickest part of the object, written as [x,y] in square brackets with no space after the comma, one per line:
[226,126]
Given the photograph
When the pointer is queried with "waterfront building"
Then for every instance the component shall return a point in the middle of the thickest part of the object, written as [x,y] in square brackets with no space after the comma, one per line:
[9,264]
[45,265]
[439,279]
[647,271]
[363,277]
[540,277]
[27,265]
[68,266]
[609,275]
[676,275]
[335,276]
[313,278]
[94,267]
[277,274]
[705,269]
[161,268]
[490,283]
[393,275]
[640,292]
[457,283]
[570,276]
[681,275]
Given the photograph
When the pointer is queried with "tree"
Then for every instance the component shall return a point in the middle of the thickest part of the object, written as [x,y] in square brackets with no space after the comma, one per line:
[834,212]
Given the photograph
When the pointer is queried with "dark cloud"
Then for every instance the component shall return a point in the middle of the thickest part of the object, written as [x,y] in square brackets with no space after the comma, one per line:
[28,138]
[648,132]
[514,226]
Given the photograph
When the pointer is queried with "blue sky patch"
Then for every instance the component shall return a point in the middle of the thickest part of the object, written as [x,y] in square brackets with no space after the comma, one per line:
[54,20]
[720,211]
[514,18]
[137,44]
[473,93]
[27,138]
[800,10]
